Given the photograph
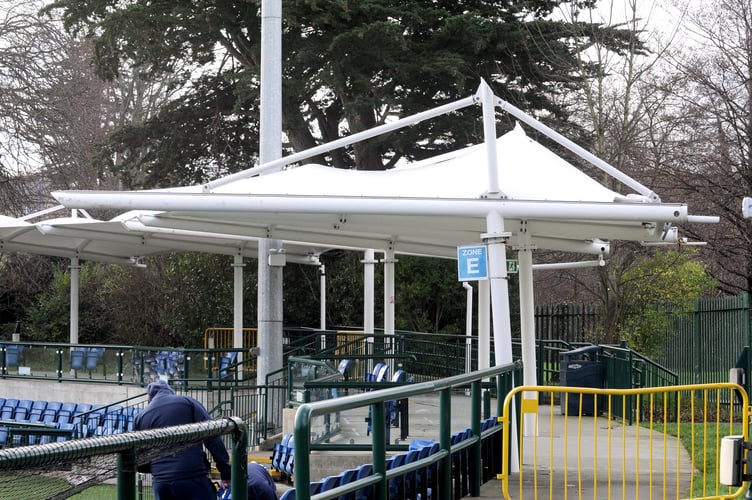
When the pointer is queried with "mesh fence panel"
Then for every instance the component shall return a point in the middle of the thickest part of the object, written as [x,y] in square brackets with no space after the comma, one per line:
[60,470]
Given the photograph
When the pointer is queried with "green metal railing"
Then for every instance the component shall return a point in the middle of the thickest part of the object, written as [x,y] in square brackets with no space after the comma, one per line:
[116,364]
[505,379]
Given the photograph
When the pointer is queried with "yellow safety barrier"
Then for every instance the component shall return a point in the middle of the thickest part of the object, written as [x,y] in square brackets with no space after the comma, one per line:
[353,344]
[223,338]
[650,443]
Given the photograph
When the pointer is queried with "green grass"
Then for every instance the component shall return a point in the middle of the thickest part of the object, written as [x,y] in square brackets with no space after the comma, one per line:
[39,486]
[98,492]
[704,452]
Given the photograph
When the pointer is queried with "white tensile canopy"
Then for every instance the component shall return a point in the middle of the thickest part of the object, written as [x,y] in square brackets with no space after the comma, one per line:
[425,208]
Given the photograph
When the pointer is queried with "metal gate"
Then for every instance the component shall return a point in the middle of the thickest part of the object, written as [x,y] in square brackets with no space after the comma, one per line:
[581,443]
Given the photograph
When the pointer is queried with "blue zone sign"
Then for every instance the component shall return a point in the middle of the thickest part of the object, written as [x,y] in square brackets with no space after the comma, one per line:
[472,263]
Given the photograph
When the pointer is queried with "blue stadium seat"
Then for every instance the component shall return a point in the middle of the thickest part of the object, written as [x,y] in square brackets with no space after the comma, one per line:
[288,465]
[92,358]
[347,477]
[317,487]
[288,495]
[411,478]
[35,413]
[371,377]
[396,483]
[49,415]
[344,368]
[280,451]
[65,413]
[225,361]
[331,482]
[23,408]
[64,426]
[13,354]
[422,485]
[364,471]
[77,359]
[379,373]
[8,409]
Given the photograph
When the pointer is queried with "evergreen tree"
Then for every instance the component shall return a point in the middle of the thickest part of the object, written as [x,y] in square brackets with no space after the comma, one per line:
[347,66]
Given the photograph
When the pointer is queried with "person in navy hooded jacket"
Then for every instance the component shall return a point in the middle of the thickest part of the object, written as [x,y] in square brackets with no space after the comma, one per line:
[185,473]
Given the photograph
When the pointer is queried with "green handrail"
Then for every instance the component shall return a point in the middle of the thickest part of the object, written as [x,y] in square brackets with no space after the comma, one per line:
[307,411]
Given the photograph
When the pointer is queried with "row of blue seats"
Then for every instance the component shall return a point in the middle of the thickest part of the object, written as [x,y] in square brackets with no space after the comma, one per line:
[418,484]
[283,456]
[82,419]
[86,358]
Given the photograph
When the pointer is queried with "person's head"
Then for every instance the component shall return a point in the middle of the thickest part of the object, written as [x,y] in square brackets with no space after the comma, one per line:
[158,387]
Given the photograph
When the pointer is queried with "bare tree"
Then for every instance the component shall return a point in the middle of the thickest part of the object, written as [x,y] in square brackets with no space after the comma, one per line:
[615,112]
[708,118]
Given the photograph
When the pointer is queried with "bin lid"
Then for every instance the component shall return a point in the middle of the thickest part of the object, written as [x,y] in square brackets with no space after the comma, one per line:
[588,349]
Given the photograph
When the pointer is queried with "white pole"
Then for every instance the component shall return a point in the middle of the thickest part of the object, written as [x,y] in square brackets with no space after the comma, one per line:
[322,295]
[369,262]
[270,148]
[389,303]
[484,324]
[237,314]
[322,305]
[75,269]
[468,327]
[527,329]
[495,239]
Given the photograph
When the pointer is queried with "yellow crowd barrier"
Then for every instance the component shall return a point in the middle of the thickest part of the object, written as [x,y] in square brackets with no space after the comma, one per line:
[651,443]
[223,338]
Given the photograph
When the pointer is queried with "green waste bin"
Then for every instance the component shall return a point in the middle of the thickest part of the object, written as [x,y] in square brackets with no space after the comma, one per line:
[581,368]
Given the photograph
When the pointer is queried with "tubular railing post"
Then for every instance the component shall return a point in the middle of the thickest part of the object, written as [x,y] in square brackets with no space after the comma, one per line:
[186,370]
[475,476]
[239,460]
[126,481]
[120,367]
[59,365]
[378,444]
[445,430]
[302,452]
[140,354]
[487,403]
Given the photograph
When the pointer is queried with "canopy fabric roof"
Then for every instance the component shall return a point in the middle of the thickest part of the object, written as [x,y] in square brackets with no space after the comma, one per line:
[118,242]
[425,208]
[535,174]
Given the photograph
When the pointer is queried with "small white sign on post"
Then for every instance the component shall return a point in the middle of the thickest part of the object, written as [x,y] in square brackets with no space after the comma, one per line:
[472,263]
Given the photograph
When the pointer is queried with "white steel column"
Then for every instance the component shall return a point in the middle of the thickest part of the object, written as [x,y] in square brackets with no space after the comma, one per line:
[527,327]
[75,269]
[468,326]
[389,302]
[270,148]
[369,262]
[322,297]
[237,312]
[484,324]
[495,238]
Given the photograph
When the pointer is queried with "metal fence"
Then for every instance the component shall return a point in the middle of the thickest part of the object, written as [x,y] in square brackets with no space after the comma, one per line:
[700,346]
